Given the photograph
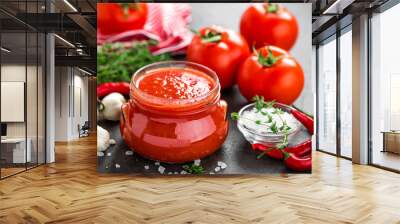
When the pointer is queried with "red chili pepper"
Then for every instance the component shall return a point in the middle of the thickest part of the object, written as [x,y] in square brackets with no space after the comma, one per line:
[301,149]
[296,163]
[112,87]
[271,152]
[306,120]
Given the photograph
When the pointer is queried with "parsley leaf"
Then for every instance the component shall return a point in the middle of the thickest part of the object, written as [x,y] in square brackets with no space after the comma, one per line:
[285,141]
[274,127]
[235,116]
[193,169]
[259,102]
[269,118]
[278,111]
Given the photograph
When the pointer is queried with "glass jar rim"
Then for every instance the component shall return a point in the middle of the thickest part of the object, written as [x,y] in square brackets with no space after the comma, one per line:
[137,94]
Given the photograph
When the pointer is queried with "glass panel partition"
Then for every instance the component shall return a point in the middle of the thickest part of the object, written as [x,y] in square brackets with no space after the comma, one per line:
[385,89]
[22,101]
[346,93]
[14,151]
[327,96]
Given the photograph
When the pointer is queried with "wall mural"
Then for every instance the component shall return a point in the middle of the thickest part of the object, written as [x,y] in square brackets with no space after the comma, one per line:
[184,90]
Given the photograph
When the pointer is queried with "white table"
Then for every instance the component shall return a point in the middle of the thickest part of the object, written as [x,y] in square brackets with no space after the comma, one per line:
[19,155]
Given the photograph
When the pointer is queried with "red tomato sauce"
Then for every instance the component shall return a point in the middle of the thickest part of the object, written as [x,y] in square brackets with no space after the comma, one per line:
[159,131]
[176,83]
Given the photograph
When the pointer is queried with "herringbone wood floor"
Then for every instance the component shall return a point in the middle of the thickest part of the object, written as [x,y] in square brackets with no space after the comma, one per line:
[70,191]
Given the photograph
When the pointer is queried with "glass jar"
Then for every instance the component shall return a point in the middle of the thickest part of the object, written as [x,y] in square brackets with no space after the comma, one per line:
[174,130]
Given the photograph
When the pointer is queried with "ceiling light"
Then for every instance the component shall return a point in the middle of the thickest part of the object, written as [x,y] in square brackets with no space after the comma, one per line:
[84,71]
[5,50]
[64,40]
[70,5]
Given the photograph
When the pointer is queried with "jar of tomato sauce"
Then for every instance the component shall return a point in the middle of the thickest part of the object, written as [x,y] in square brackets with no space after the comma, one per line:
[175,113]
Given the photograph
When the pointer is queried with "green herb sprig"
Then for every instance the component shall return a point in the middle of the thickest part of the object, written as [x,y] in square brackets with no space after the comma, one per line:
[260,104]
[193,169]
[117,63]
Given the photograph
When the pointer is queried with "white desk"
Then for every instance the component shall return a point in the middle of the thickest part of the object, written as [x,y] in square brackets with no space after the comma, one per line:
[19,149]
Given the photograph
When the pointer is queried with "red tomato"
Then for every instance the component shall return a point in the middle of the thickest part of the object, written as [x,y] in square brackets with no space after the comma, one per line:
[221,50]
[269,24]
[115,18]
[271,72]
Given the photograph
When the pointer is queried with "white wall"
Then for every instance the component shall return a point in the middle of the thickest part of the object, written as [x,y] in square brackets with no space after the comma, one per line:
[70,83]
[81,94]
[61,103]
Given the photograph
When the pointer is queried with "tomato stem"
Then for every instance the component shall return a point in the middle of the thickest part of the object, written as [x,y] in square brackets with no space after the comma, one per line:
[211,36]
[126,6]
[268,61]
[272,8]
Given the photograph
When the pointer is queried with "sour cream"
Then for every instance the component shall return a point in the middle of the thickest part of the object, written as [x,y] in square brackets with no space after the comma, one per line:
[259,123]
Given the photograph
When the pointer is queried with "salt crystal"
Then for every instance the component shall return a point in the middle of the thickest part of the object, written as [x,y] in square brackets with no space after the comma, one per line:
[100,154]
[108,153]
[161,169]
[146,167]
[222,165]
[176,173]
[197,162]
[217,169]
[157,163]
[128,153]
[212,173]
[117,166]
[169,173]
[183,172]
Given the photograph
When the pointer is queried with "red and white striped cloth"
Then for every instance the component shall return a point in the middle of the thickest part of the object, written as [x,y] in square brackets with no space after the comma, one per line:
[167,23]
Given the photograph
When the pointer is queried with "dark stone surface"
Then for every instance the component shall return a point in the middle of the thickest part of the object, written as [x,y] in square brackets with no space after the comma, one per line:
[236,152]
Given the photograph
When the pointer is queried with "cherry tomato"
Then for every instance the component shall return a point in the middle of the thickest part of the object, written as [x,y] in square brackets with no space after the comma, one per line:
[272,73]
[269,24]
[115,18]
[221,50]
